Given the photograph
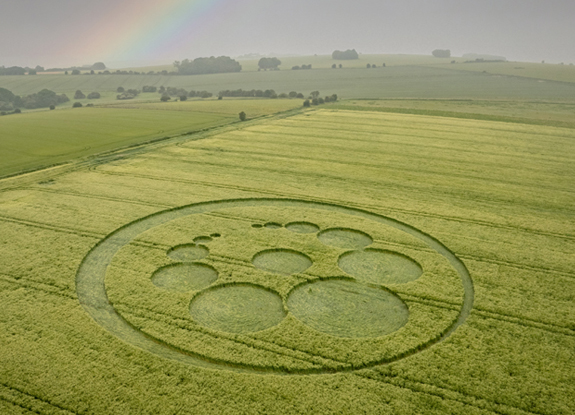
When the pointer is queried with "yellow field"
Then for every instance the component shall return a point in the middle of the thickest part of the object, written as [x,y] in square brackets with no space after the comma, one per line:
[323,261]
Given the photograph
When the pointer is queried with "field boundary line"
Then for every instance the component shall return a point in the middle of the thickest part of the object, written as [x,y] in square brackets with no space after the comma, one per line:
[108,198]
[28,396]
[443,392]
[517,265]
[25,222]
[38,286]
[524,321]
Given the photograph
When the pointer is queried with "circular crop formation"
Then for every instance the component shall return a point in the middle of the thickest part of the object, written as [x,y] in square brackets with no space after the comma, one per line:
[323,295]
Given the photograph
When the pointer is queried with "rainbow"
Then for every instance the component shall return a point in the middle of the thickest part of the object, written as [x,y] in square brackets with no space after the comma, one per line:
[144,29]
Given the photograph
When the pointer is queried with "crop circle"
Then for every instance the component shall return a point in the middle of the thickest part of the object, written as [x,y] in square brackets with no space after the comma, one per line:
[345,238]
[377,266]
[188,252]
[92,294]
[184,277]
[344,308]
[282,261]
[238,308]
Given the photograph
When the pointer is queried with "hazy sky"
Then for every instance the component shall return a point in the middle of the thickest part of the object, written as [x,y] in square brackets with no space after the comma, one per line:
[76,32]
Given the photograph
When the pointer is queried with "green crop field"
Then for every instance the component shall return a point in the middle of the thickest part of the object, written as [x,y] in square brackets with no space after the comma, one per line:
[344,259]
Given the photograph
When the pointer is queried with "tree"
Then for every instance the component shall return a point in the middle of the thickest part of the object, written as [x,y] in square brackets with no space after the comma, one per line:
[293,94]
[99,66]
[79,95]
[52,107]
[17,111]
[66,73]
[76,72]
[32,72]
[314,94]
[383,64]
[165,98]
[77,105]
[368,66]
[306,103]
[183,97]
[441,53]
[120,89]
[94,95]
[340,66]
[269,63]
[242,116]
[299,95]
[345,55]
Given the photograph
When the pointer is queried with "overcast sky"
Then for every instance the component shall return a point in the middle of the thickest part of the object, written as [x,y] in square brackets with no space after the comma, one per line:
[76,32]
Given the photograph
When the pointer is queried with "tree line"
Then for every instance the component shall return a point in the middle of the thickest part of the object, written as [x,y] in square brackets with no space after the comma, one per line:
[221,64]
[345,55]
[43,99]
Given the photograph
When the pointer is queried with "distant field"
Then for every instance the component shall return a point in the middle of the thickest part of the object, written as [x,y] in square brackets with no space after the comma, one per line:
[547,71]
[390,82]
[323,261]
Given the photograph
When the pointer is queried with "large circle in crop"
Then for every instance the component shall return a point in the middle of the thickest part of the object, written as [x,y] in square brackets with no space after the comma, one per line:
[91,288]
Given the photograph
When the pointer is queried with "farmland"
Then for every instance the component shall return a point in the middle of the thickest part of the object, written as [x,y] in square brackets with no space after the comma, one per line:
[125,276]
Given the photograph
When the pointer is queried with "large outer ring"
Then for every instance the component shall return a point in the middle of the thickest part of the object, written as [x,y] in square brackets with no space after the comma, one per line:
[91,290]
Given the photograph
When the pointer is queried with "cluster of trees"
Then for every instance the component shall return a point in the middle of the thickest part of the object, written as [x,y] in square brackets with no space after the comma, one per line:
[42,99]
[315,99]
[221,64]
[127,93]
[147,88]
[14,70]
[345,55]
[92,95]
[295,68]
[269,63]
[441,53]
